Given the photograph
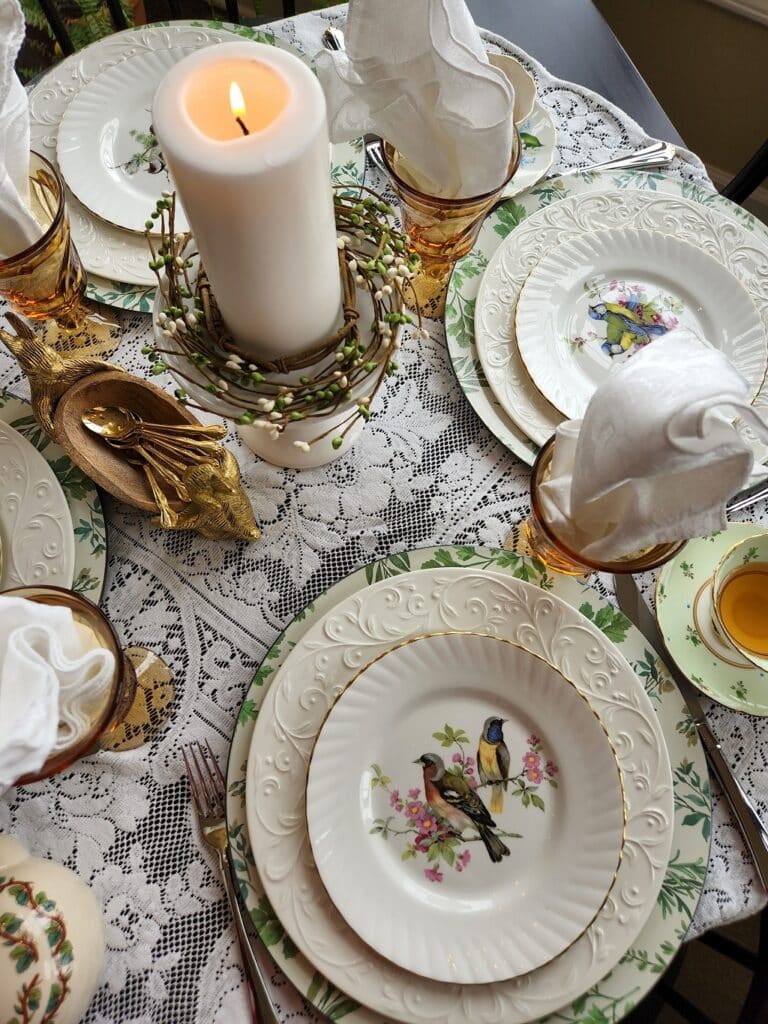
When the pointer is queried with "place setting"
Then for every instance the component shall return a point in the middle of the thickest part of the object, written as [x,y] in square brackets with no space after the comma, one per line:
[425,698]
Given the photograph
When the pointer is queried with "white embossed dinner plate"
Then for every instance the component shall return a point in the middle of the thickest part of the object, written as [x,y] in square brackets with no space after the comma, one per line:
[317,669]
[431,842]
[106,146]
[515,236]
[38,542]
[593,301]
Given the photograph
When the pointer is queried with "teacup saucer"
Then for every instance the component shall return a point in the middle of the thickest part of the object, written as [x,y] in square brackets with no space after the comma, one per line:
[684,610]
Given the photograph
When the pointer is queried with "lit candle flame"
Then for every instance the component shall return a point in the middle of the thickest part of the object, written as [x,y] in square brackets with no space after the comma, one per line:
[236,101]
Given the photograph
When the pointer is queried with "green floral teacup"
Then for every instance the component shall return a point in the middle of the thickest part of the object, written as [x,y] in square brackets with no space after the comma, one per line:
[740,597]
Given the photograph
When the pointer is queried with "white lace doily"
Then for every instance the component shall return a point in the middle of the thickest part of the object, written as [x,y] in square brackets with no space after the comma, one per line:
[425,471]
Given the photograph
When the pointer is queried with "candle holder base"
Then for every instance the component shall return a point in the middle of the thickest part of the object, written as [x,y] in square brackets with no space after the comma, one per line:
[304,410]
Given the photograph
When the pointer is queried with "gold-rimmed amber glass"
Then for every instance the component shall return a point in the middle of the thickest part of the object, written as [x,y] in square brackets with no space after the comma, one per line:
[109,710]
[550,549]
[441,230]
[46,280]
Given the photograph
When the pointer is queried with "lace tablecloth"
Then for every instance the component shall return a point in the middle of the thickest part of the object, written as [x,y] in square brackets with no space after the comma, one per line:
[425,471]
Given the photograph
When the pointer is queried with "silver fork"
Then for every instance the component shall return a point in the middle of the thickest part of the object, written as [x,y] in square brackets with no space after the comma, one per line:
[333,39]
[208,787]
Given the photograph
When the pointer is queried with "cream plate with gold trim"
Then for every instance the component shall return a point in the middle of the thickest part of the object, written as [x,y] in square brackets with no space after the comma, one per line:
[441,869]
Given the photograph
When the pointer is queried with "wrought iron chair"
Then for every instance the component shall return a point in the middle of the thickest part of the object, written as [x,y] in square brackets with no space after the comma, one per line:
[666,993]
[752,174]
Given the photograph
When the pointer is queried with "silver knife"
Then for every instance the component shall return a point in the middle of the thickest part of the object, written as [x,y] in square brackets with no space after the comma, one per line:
[755,835]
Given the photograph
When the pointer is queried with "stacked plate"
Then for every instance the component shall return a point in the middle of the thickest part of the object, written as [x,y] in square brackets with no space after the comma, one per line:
[459,796]
[597,267]
[91,116]
[51,523]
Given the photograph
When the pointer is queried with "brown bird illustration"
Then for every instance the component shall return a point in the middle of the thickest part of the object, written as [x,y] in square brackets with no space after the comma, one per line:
[49,373]
[452,799]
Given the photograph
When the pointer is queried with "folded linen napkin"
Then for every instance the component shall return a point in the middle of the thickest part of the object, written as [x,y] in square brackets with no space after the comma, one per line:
[18,228]
[417,74]
[51,671]
[656,456]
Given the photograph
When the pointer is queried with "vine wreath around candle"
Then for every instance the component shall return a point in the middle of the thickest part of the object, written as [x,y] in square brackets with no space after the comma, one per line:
[342,375]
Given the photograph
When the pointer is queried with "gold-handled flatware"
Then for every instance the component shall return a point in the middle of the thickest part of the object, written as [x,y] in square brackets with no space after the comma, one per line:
[207,787]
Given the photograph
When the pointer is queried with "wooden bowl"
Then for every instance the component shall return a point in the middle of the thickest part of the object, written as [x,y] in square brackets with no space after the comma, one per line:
[106,466]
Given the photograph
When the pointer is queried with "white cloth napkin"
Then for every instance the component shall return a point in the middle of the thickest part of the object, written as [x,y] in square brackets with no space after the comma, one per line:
[657,454]
[417,74]
[50,671]
[18,228]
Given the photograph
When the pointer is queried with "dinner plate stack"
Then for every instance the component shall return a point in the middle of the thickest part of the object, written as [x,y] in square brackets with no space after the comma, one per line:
[578,274]
[454,789]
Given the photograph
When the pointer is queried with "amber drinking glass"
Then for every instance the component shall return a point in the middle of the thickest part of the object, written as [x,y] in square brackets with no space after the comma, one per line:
[111,707]
[45,280]
[550,549]
[441,230]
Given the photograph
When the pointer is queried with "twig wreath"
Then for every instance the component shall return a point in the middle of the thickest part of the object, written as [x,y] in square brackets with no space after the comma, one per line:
[372,255]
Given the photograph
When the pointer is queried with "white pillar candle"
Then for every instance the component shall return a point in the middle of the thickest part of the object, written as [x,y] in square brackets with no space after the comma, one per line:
[260,206]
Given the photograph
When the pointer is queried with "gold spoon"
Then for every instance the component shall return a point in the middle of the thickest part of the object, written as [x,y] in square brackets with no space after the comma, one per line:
[116,423]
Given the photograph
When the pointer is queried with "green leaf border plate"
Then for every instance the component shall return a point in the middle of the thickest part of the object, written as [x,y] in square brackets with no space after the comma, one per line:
[81,494]
[659,940]
[682,606]
[465,281]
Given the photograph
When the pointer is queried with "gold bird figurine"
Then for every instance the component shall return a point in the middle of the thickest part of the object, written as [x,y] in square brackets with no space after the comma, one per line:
[218,506]
[49,373]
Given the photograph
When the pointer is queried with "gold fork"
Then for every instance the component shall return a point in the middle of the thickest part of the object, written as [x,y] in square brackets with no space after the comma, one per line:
[208,788]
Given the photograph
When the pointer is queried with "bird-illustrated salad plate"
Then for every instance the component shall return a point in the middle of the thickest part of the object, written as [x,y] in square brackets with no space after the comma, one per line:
[418,826]
[539,138]
[325,660]
[684,611]
[37,542]
[486,283]
[594,301]
[106,146]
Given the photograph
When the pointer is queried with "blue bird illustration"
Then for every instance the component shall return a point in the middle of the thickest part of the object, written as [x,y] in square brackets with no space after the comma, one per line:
[493,761]
[453,800]
[625,328]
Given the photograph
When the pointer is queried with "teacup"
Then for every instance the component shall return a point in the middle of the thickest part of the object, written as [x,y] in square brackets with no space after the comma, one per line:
[740,598]
[522,82]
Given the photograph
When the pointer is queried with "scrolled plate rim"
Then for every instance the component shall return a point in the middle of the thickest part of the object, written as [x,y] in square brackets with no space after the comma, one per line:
[276,776]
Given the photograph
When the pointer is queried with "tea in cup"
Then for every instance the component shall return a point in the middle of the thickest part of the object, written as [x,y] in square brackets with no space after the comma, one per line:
[740,598]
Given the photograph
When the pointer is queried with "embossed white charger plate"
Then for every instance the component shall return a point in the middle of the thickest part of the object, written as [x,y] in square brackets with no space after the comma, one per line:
[536,221]
[79,492]
[106,147]
[624,985]
[38,542]
[325,659]
[592,302]
[492,891]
